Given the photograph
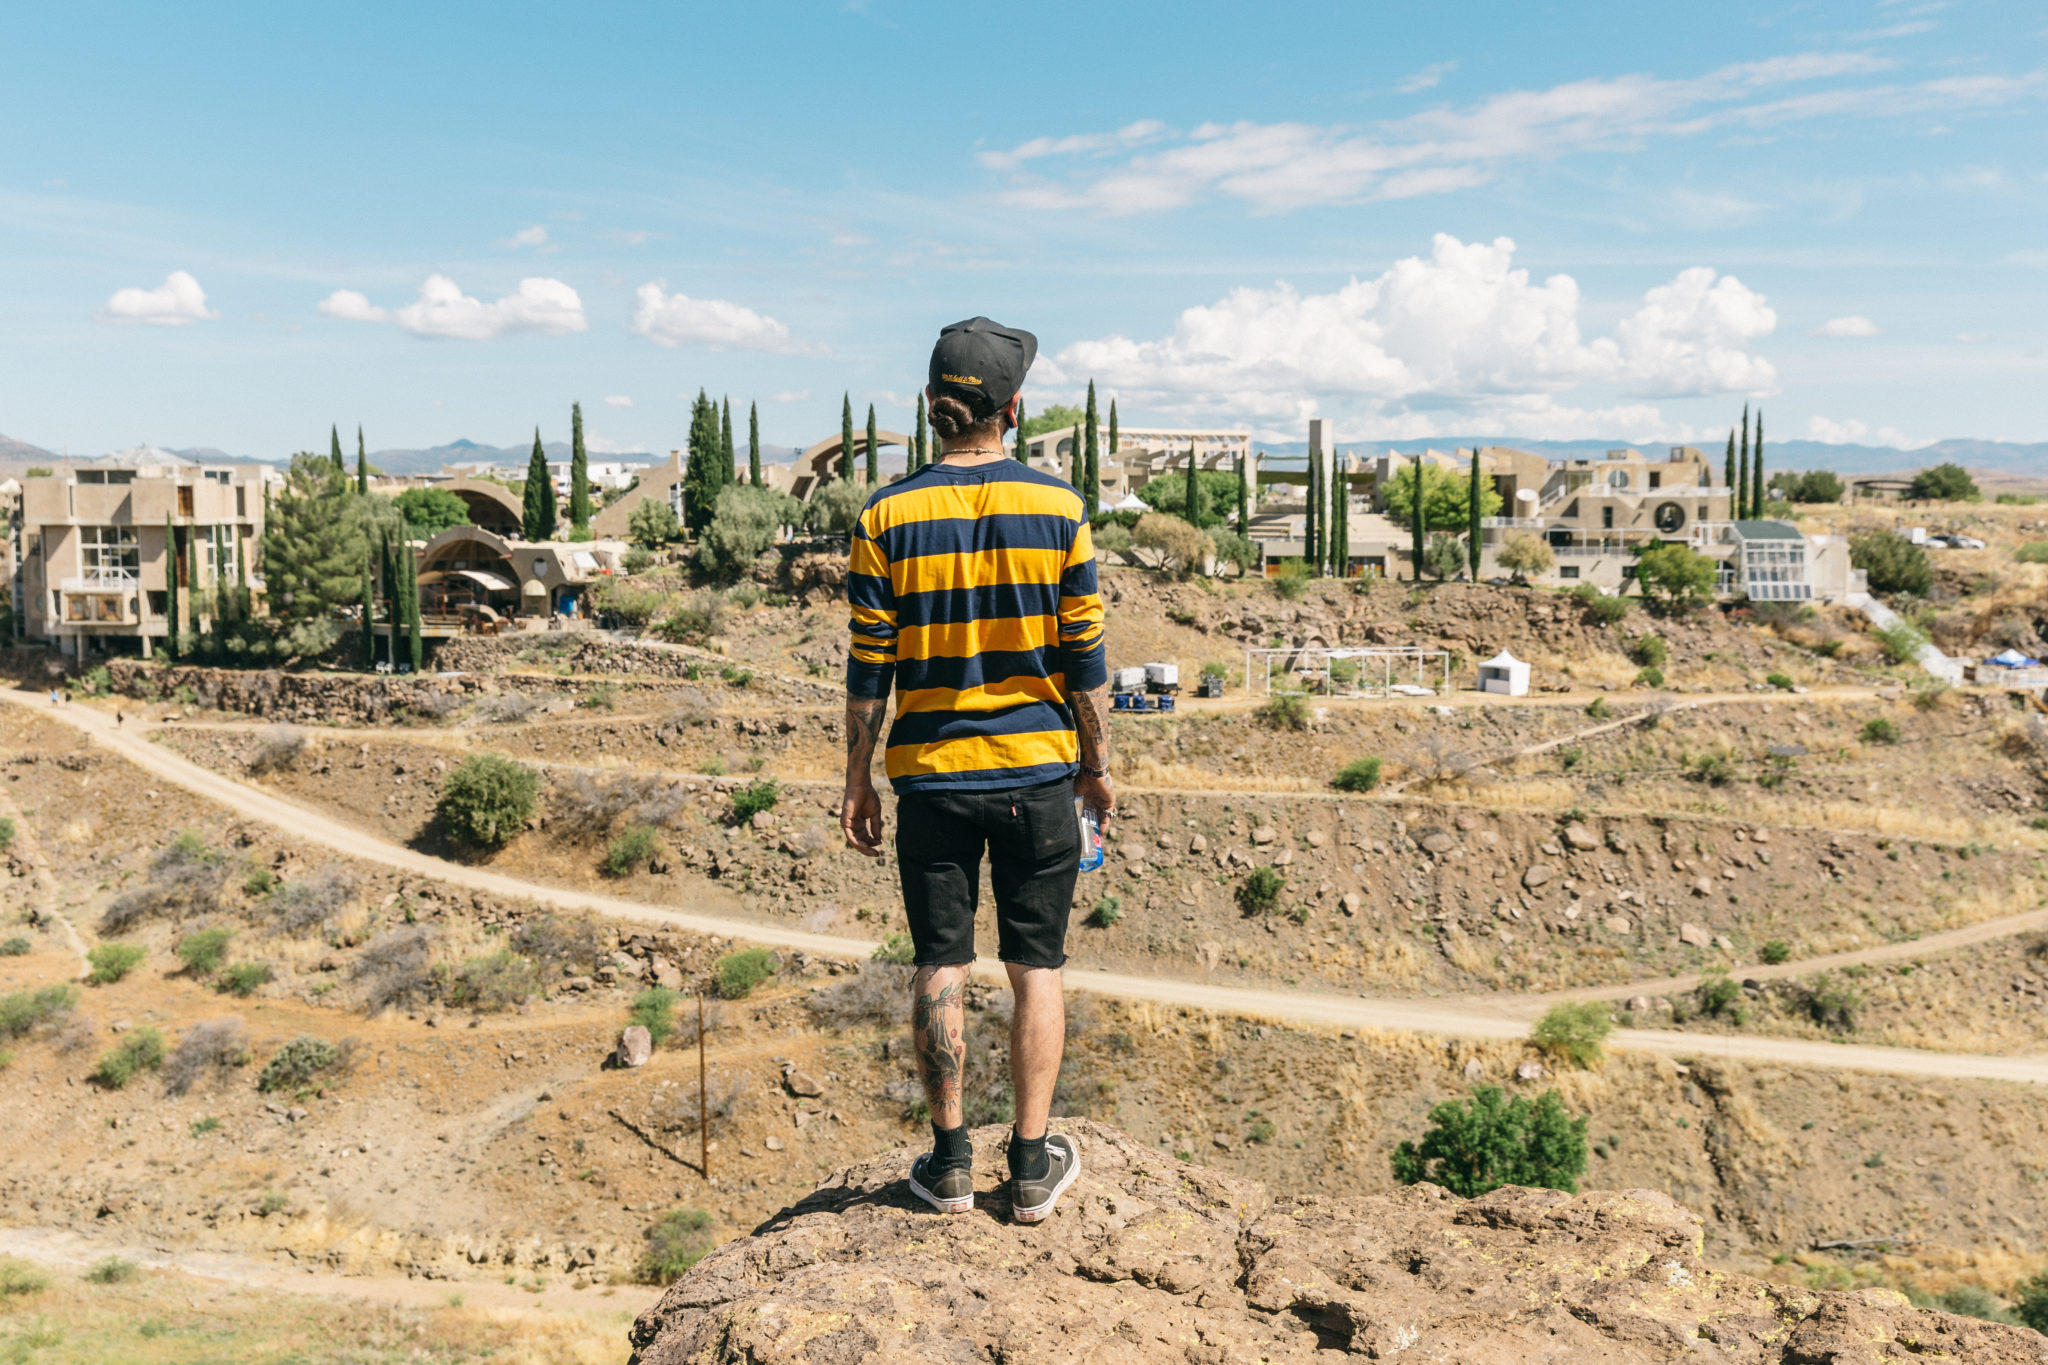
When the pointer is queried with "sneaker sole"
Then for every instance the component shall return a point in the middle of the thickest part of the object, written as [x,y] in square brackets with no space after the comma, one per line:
[964,1204]
[1038,1213]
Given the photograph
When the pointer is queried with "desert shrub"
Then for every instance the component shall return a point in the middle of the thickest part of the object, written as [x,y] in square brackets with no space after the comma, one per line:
[1675,575]
[554,941]
[2030,1302]
[754,798]
[1286,711]
[243,979]
[1292,579]
[695,621]
[633,604]
[683,1109]
[487,800]
[637,560]
[1230,548]
[1716,769]
[6,833]
[836,505]
[1816,485]
[652,523]
[1946,482]
[1892,563]
[112,1270]
[22,1012]
[1470,1149]
[1831,1003]
[898,948]
[112,961]
[1775,951]
[1522,554]
[203,950]
[599,697]
[2033,552]
[1781,681]
[654,1009]
[261,881]
[1260,891]
[1182,550]
[496,981]
[630,850]
[396,968]
[1879,731]
[1649,650]
[876,994]
[140,1050]
[1901,643]
[15,947]
[506,708]
[737,973]
[1359,775]
[1649,676]
[676,1241]
[1218,670]
[1598,709]
[1606,610]
[1718,994]
[1108,910]
[20,1277]
[1111,539]
[295,1064]
[311,900]
[212,1047]
[277,749]
[1574,1031]
[186,876]
[744,522]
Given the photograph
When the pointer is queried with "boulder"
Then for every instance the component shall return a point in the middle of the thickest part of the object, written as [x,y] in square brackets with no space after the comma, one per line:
[1695,936]
[636,1045]
[1617,924]
[1153,1261]
[1577,836]
[1536,876]
[1531,1070]
[802,1084]
[1265,834]
[1436,841]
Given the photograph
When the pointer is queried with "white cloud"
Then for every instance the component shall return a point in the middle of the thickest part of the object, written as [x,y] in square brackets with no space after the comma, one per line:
[1852,432]
[618,400]
[175,302]
[1854,325]
[539,305]
[790,396]
[1426,79]
[677,319]
[1460,335]
[528,236]
[1278,167]
[350,306]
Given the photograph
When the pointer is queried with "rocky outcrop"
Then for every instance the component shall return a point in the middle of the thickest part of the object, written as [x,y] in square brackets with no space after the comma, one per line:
[1153,1260]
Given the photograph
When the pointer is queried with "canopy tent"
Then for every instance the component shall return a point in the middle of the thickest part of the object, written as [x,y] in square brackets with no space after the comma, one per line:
[2012,658]
[1131,502]
[1505,674]
[490,582]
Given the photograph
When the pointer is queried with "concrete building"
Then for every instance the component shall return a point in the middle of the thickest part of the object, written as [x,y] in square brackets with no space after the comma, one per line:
[1142,454]
[94,541]
[471,579]
[664,481]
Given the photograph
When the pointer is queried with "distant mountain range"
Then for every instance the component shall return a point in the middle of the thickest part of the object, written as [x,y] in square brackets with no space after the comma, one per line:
[15,453]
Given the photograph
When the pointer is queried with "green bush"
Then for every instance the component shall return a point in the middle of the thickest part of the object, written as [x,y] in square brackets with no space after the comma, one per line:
[754,798]
[6,833]
[1832,1004]
[1676,575]
[1599,709]
[203,950]
[112,961]
[1716,769]
[897,948]
[2033,552]
[1650,651]
[1649,677]
[654,1009]
[1359,775]
[1880,731]
[1719,993]
[1107,912]
[1574,1031]
[1292,579]
[1606,610]
[744,523]
[487,800]
[22,1011]
[2030,1302]
[1260,891]
[1286,711]
[637,560]
[628,851]
[243,978]
[19,1277]
[496,981]
[1901,643]
[297,1063]
[694,621]
[1775,951]
[1891,563]
[141,1050]
[1946,482]
[112,1270]
[677,1240]
[1780,681]
[260,882]
[15,947]
[738,973]
[1495,1141]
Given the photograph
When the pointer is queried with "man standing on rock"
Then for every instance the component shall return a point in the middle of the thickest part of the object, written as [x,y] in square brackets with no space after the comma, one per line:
[972,583]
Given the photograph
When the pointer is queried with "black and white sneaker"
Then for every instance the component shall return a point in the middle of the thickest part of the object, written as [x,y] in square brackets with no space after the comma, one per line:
[947,1191]
[1031,1201]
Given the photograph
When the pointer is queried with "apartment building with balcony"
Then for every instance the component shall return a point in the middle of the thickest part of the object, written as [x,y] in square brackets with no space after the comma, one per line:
[96,542]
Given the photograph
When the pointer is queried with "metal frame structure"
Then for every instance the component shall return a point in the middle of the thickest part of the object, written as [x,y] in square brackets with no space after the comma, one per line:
[1315,660]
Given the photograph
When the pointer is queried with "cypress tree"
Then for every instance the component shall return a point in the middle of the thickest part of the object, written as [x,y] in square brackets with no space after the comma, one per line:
[537,511]
[702,479]
[389,567]
[918,450]
[1756,469]
[1091,469]
[754,444]
[874,459]
[192,581]
[1342,509]
[1742,470]
[170,586]
[1244,523]
[846,436]
[1112,424]
[369,604]
[1417,516]
[409,579]
[1728,476]
[728,466]
[1311,526]
[1191,491]
[1023,451]
[1472,518]
[362,464]
[579,471]
[334,449]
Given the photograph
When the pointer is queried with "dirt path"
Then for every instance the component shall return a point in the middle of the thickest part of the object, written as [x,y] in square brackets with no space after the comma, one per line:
[1471,1016]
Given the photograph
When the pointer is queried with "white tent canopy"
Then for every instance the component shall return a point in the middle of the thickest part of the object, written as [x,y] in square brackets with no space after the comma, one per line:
[1131,502]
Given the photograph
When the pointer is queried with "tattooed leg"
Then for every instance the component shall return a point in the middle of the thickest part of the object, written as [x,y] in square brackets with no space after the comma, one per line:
[938,1021]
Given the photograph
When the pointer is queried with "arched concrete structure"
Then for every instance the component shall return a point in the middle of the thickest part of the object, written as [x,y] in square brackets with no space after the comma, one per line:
[821,462]
[491,505]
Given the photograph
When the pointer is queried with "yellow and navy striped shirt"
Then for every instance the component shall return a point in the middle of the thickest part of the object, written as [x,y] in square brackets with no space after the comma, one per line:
[973,592]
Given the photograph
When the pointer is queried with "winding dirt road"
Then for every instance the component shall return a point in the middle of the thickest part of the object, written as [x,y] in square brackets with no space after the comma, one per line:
[1468,1016]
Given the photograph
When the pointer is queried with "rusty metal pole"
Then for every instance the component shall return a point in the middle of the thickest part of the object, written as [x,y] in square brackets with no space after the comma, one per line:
[703,1099]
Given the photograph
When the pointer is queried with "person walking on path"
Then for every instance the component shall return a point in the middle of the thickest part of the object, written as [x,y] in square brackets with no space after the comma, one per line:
[973,595]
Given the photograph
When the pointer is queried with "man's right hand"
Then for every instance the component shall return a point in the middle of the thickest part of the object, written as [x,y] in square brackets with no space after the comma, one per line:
[1099,795]
[860,818]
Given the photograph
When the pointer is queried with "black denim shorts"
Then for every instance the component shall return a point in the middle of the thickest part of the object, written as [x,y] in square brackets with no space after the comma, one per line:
[1034,853]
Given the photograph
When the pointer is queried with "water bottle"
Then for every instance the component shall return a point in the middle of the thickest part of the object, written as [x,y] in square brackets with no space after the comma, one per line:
[1091,836]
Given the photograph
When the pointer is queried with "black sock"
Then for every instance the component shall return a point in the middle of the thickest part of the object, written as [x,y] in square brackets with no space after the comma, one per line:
[951,1151]
[1028,1160]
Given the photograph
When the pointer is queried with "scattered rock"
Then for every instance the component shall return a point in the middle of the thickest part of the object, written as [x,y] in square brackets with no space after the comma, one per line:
[1466,822]
[1350,902]
[801,1083]
[1474,1069]
[1703,887]
[774,1143]
[1580,838]
[1638,1004]
[636,1045]
[1536,876]
[1265,834]
[1200,842]
[1724,943]
[1316,838]
[1438,842]
[1694,935]
[1616,924]
[1530,1070]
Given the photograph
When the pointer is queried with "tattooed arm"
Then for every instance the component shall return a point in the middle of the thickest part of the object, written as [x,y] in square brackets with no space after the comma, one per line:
[1091,726]
[860,810]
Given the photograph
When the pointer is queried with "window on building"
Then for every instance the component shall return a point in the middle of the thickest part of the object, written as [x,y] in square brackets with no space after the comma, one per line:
[241,500]
[106,476]
[1656,479]
[1568,571]
[158,604]
[1775,571]
[109,551]
[185,500]
[1606,517]
[219,475]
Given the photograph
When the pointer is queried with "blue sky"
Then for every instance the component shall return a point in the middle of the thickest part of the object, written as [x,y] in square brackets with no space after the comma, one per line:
[233,225]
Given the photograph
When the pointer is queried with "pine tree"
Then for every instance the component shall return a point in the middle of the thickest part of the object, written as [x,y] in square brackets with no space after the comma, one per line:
[313,536]
[362,464]
[1112,424]
[1023,451]
[334,449]
[1756,468]
[1472,518]
[1416,466]
[537,512]
[919,453]
[874,460]
[170,586]
[1091,468]
[579,471]
[1728,476]
[728,469]
[846,436]
[754,444]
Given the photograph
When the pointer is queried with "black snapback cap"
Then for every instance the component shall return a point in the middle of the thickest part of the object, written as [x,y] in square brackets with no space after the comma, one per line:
[981,363]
